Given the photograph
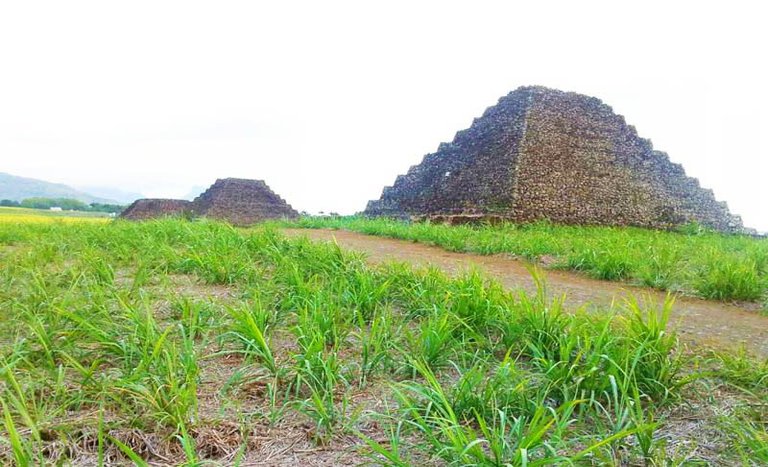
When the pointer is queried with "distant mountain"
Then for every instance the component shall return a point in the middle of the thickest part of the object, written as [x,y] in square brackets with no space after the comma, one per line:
[194,192]
[123,197]
[19,188]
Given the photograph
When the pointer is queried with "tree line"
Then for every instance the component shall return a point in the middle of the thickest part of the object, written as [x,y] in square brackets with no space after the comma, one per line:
[67,204]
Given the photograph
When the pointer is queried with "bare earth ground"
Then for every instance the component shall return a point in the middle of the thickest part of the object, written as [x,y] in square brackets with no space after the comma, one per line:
[699,322]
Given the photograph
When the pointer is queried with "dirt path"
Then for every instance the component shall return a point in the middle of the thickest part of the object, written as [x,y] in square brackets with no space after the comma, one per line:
[698,321]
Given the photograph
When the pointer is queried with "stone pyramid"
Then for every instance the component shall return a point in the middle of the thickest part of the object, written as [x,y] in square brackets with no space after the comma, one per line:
[235,200]
[241,202]
[546,154]
[154,207]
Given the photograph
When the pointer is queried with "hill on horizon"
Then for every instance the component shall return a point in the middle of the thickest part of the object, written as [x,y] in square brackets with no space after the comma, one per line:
[17,188]
[107,192]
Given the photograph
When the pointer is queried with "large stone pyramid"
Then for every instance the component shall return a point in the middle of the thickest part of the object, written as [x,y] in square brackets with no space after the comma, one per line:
[235,200]
[547,154]
[242,202]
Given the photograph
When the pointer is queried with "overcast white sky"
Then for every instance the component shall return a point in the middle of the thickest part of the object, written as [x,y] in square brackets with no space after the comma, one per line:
[329,101]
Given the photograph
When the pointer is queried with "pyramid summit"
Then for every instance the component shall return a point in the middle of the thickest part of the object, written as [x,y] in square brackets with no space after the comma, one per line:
[541,153]
[235,200]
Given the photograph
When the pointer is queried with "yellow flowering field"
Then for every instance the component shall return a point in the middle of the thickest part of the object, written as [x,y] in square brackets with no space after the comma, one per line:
[10,215]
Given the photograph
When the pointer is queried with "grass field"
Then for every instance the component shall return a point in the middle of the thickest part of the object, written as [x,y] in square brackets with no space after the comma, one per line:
[194,343]
[693,261]
[26,216]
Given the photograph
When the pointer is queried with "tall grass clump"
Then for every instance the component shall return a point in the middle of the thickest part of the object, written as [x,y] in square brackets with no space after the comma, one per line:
[692,260]
[731,279]
[251,327]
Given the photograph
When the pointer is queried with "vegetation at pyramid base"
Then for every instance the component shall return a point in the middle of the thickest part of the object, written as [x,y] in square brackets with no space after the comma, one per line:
[181,340]
[692,260]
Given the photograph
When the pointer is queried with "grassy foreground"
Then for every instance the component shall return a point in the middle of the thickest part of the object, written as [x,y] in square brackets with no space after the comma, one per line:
[707,264]
[173,342]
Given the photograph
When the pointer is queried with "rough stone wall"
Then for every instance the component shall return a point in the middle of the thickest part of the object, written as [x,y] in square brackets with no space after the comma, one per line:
[153,208]
[581,163]
[242,202]
[486,152]
[546,154]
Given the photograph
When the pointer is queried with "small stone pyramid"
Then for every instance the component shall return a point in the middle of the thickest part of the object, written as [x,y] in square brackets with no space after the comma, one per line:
[546,154]
[155,207]
[235,200]
[242,202]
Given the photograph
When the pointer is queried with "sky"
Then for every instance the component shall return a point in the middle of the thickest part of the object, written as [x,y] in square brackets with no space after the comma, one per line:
[329,101]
